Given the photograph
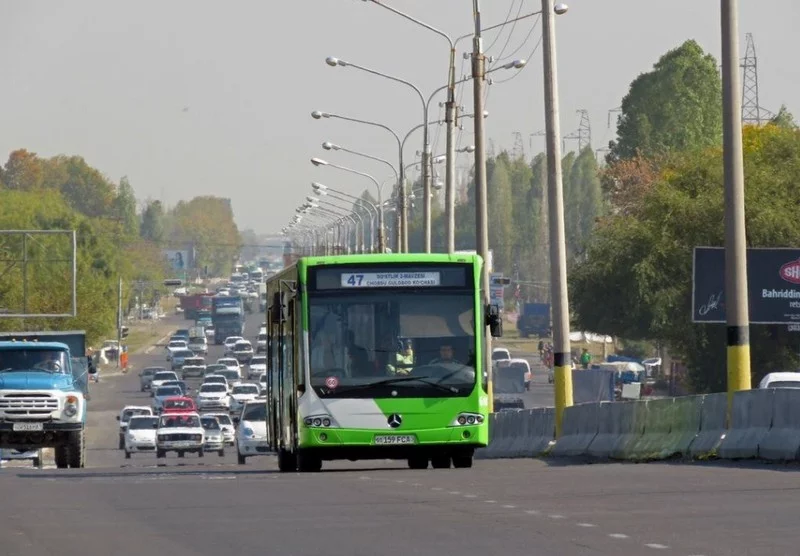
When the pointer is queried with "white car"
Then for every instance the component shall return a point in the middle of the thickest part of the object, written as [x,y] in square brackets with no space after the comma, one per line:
[173,346]
[262,383]
[230,363]
[227,426]
[140,435]
[198,345]
[233,377]
[251,435]
[500,354]
[193,367]
[160,378]
[213,396]
[257,367]
[214,441]
[241,394]
[209,332]
[243,351]
[124,418]
[780,380]
[229,342]
[261,343]
[181,433]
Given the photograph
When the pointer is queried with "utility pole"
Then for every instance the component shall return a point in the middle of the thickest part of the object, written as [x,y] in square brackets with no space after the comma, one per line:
[481,211]
[736,309]
[119,322]
[562,360]
[450,171]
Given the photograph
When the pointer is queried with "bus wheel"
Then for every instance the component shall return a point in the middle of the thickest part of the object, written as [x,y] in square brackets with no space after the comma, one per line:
[287,462]
[440,462]
[307,463]
[418,463]
[462,462]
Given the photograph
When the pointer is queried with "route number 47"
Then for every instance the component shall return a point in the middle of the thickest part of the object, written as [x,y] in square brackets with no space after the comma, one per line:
[355,279]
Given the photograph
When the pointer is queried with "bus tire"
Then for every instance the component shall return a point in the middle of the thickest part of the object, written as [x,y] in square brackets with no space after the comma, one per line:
[440,462]
[462,462]
[287,461]
[308,463]
[417,462]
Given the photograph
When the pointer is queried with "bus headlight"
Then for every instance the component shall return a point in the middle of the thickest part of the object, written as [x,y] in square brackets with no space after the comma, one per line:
[468,419]
[319,421]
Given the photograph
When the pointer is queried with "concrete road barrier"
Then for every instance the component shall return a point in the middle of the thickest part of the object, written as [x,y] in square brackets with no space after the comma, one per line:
[782,441]
[751,420]
[579,429]
[657,422]
[712,426]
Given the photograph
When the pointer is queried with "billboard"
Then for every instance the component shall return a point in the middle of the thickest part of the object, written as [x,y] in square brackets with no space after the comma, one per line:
[179,259]
[773,282]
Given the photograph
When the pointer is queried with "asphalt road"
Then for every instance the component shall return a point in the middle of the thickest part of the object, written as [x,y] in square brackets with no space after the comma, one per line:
[506,507]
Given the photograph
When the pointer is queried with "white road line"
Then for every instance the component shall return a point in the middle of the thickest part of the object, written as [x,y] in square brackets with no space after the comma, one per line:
[455,492]
[555,516]
[656,546]
[509,506]
[491,501]
[470,496]
[416,484]
[586,525]
[533,512]
[618,536]
[437,488]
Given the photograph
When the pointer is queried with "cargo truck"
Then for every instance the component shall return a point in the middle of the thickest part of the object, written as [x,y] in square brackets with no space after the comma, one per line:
[534,320]
[44,390]
[227,317]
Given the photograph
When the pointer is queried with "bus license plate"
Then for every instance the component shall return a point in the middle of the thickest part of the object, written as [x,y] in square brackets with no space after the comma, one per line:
[395,439]
[27,427]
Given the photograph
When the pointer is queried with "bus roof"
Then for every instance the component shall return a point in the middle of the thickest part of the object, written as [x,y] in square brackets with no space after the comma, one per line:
[368,258]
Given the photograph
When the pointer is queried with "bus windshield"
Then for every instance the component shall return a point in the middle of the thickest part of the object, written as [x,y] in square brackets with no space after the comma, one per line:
[392,343]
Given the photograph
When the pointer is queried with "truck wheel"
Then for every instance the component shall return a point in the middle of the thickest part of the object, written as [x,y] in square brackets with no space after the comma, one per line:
[160,454]
[77,449]
[200,453]
[181,454]
[121,442]
[61,457]
[127,454]
[241,459]
[221,453]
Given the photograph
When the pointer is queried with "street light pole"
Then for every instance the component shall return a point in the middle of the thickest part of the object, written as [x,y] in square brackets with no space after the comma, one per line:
[562,360]
[736,310]
[481,212]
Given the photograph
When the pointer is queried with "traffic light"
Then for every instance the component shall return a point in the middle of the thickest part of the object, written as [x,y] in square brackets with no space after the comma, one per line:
[173,282]
[123,332]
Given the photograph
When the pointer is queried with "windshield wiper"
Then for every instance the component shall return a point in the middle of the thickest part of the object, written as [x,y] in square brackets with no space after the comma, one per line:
[397,380]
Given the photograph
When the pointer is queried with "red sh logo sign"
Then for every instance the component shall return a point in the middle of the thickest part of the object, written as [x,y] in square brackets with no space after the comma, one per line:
[791,272]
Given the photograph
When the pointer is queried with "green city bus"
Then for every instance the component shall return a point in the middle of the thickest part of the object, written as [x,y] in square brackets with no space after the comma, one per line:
[378,357]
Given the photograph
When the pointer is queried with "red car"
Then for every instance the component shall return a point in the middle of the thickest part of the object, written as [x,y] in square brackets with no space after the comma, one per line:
[179,404]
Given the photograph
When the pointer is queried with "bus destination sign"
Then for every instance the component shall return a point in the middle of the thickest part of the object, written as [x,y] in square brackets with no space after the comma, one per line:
[390,279]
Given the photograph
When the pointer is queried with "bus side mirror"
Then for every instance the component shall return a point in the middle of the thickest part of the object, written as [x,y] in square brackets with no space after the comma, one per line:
[494,320]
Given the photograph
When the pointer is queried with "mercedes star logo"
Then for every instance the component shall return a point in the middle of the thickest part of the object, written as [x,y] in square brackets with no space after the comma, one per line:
[395,420]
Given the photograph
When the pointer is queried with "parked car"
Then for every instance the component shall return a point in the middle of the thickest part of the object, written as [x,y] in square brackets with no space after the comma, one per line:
[251,434]
[181,433]
[140,435]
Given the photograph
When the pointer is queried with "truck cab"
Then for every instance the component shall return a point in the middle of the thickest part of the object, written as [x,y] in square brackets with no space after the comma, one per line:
[43,396]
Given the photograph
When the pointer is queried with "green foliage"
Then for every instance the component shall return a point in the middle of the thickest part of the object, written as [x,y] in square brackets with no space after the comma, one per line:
[636,279]
[784,118]
[113,242]
[674,107]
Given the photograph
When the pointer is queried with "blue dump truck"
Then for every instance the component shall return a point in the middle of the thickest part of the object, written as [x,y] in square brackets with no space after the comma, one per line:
[227,317]
[44,390]
[534,320]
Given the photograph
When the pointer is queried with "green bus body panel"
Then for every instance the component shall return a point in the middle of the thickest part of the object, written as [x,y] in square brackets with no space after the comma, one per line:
[427,419]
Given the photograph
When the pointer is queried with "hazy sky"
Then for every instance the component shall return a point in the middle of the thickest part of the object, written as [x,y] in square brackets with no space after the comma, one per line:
[110,81]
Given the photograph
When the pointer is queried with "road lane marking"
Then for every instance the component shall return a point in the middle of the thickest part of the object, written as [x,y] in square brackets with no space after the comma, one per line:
[618,536]
[586,525]
[555,516]
[656,546]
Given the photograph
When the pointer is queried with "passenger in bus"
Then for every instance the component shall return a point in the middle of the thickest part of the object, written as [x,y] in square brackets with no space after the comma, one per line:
[446,355]
[404,359]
